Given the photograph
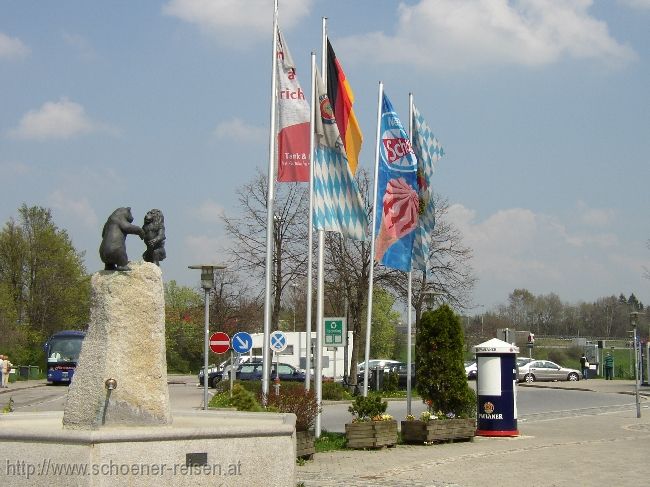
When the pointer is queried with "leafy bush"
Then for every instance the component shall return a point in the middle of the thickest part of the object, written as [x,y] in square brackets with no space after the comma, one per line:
[221,400]
[298,401]
[330,442]
[244,400]
[442,383]
[391,382]
[335,391]
[368,408]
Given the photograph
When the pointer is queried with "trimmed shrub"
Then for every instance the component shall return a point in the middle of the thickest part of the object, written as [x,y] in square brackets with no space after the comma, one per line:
[442,383]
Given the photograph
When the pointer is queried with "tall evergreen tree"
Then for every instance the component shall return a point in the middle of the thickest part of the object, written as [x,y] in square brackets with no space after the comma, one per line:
[441,379]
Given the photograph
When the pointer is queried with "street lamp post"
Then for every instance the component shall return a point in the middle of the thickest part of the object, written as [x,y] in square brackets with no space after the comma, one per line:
[207,283]
[634,316]
[294,286]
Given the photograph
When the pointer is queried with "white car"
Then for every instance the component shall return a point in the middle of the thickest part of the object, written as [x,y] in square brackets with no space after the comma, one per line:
[546,370]
[378,364]
[471,369]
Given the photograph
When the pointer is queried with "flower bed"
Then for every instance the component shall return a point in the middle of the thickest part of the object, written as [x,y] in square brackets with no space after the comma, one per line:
[435,430]
[305,444]
[371,434]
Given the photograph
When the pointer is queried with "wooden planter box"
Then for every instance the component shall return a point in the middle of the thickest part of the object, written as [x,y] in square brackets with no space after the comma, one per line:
[371,434]
[305,444]
[438,430]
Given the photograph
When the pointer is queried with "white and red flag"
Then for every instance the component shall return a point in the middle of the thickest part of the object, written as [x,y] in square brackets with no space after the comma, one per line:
[293,119]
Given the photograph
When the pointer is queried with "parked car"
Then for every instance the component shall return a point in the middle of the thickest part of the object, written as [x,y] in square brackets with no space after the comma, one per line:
[471,369]
[402,369]
[539,370]
[378,363]
[253,371]
[523,361]
[218,372]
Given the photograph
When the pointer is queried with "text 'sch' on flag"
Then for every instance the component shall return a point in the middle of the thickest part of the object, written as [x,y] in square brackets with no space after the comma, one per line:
[342,99]
[293,119]
[338,206]
[428,151]
[397,203]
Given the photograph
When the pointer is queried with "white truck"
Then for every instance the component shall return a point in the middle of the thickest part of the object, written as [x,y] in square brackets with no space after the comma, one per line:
[295,354]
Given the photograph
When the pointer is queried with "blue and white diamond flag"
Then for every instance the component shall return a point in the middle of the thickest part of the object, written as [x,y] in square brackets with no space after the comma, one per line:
[428,151]
[338,206]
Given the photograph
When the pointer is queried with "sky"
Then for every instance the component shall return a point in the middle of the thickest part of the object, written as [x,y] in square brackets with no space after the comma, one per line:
[542,107]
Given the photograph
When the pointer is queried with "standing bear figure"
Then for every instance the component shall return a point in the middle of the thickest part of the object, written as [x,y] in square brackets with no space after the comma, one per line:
[112,250]
[154,236]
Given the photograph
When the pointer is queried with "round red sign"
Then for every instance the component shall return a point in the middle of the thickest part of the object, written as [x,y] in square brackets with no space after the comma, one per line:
[219,342]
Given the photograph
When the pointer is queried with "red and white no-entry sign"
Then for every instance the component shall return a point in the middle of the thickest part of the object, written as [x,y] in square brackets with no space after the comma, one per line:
[219,342]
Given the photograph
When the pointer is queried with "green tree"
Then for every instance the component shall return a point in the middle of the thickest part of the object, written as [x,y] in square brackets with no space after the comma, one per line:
[183,328]
[439,363]
[384,319]
[43,273]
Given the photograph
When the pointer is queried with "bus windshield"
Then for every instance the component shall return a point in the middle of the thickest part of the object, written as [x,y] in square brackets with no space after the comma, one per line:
[64,349]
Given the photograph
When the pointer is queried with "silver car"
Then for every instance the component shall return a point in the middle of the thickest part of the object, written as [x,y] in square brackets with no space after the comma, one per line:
[546,370]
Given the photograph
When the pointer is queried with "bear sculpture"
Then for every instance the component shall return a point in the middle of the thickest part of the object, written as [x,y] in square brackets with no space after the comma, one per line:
[112,250]
[154,236]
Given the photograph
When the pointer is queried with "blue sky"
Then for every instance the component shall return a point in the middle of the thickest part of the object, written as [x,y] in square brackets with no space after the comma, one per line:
[543,107]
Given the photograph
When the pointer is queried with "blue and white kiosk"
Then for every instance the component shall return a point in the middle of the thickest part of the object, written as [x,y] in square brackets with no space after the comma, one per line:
[496,388]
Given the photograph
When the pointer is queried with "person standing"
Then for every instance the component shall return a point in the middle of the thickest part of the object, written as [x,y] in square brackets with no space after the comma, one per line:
[6,368]
[609,366]
[2,364]
[584,365]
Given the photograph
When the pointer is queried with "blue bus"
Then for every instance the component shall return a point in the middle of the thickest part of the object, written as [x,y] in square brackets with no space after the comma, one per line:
[62,352]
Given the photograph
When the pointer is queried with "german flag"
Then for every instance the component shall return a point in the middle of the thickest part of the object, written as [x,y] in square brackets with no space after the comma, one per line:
[342,99]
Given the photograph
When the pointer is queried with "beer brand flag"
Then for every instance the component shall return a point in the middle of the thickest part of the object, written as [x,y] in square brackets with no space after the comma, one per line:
[338,206]
[293,119]
[428,151]
[397,203]
[342,99]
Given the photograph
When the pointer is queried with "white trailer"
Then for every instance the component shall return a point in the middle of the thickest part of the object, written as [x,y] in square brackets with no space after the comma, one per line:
[295,354]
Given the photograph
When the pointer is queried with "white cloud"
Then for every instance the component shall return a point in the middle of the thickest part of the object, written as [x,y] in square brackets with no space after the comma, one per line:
[203,249]
[595,217]
[636,3]
[61,119]
[12,47]
[518,248]
[78,209]
[455,34]
[240,131]
[245,20]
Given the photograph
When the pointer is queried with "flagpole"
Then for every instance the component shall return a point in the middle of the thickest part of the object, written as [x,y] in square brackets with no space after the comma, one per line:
[409,291]
[320,299]
[372,243]
[270,199]
[310,230]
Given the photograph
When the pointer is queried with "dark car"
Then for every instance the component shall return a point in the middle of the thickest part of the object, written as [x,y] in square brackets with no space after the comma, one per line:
[253,371]
[402,370]
[399,368]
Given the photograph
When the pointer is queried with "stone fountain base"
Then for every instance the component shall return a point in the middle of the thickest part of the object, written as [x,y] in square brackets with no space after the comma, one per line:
[200,448]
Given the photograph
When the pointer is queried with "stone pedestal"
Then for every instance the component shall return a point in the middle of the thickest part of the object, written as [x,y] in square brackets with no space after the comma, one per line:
[125,342]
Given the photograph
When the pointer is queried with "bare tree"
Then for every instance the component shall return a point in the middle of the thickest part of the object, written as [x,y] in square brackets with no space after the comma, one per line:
[449,273]
[449,277]
[248,235]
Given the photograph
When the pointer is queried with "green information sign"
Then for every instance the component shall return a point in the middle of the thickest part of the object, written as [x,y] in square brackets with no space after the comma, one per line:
[334,332]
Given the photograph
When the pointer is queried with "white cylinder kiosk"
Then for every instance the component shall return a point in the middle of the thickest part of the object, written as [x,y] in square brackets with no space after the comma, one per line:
[496,388]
